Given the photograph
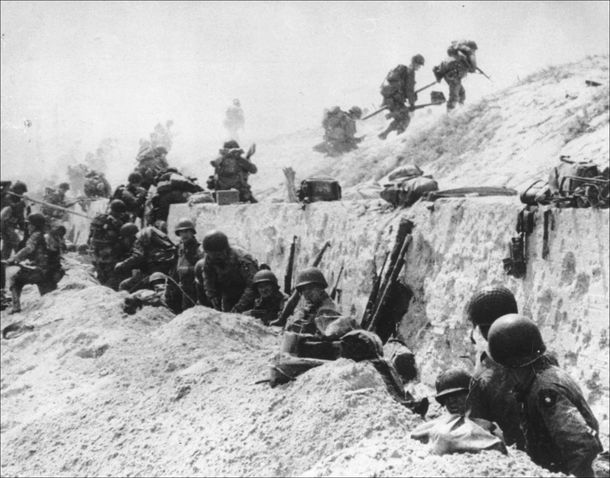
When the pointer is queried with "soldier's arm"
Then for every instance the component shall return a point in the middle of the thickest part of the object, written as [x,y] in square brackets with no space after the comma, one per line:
[247,271]
[475,401]
[5,215]
[248,166]
[210,283]
[135,258]
[577,442]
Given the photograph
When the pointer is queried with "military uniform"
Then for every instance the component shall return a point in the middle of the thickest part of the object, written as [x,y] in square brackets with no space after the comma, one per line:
[303,319]
[268,309]
[339,131]
[37,272]
[134,198]
[189,253]
[97,186]
[153,251]
[107,249]
[461,61]
[230,285]
[231,172]
[561,433]
[56,246]
[398,87]
[11,218]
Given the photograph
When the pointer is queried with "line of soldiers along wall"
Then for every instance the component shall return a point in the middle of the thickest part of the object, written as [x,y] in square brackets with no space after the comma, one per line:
[458,246]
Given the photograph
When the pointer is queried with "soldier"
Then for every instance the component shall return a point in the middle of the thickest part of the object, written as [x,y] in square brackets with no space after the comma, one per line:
[561,433]
[315,302]
[452,389]
[37,272]
[12,220]
[106,238]
[155,295]
[339,131]
[96,185]
[227,274]
[234,120]
[397,88]
[270,300]
[490,394]
[189,252]
[151,162]
[461,61]
[152,251]
[56,197]
[231,171]
[133,195]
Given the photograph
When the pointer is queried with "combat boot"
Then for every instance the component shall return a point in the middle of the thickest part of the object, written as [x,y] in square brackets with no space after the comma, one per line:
[16,300]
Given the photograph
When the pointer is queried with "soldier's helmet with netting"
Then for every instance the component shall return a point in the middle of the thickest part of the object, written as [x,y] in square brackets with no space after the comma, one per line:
[515,341]
[129,229]
[452,381]
[19,188]
[134,178]
[156,277]
[490,303]
[310,275]
[64,186]
[356,111]
[231,144]
[215,241]
[37,220]
[184,224]
[418,59]
[117,206]
[264,276]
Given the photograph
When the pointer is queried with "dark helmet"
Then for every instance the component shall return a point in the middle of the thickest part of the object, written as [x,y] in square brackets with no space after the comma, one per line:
[236,102]
[64,186]
[19,187]
[156,277]
[118,206]
[356,111]
[128,229]
[515,341]
[184,224]
[264,276]
[311,275]
[489,303]
[160,150]
[161,225]
[37,220]
[418,59]
[134,178]
[215,241]
[452,381]
[231,144]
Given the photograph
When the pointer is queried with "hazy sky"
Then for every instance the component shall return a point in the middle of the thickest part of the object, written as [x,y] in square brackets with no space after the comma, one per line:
[82,71]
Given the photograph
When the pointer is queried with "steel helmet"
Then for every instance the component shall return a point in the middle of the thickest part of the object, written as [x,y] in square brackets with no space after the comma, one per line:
[418,59]
[236,102]
[231,144]
[117,206]
[490,303]
[311,275]
[452,381]
[184,224]
[515,341]
[128,229]
[264,276]
[215,241]
[134,178]
[156,277]
[59,231]
[19,187]
[64,186]
[356,111]
[37,220]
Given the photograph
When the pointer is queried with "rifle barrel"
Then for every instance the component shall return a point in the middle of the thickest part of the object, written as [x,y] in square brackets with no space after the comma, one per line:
[53,206]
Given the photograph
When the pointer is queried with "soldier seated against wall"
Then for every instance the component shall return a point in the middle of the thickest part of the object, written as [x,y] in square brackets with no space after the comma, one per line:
[270,299]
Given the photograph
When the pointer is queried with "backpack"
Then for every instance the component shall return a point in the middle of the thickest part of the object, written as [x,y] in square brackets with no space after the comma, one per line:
[319,189]
[104,229]
[408,192]
[393,81]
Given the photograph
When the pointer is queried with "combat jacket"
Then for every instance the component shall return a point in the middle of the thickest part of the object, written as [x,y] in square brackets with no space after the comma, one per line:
[134,198]
[35,250]
[188,255]
[399,86]
[231,282]
[560,430]
[491,397]
[152,249]
[268,309]
[13,216]
[303,319]
[232,169]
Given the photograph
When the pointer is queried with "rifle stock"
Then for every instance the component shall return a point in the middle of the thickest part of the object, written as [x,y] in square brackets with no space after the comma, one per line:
[374,291]
[290,267]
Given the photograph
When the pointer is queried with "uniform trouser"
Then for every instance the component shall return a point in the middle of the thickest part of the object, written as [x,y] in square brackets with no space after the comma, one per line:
[18,277]
[400,120]
[457,93]
[189,288]
[10,243]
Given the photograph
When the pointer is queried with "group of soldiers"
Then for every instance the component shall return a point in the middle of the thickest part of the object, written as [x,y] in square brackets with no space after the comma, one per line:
[400,98]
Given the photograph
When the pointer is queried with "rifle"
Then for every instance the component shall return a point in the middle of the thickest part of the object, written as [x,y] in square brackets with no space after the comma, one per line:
[251,151]
[482,73]
[336,289]
[290,267]
[375,290]
[411,108]
[292,302]
[404,230]
[53,206]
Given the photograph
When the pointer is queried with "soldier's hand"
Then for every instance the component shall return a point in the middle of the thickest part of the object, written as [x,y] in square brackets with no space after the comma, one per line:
[119,267]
